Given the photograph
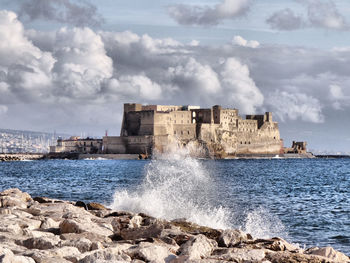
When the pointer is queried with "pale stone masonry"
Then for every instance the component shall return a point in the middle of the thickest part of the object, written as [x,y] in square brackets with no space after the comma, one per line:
[221,132]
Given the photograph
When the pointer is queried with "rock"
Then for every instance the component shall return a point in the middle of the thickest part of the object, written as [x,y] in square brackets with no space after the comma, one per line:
[198,247]
[151,253]
[150,231]
[7,256]
[83,244]
[83,225]
[280,244]
[229,238]
[239,254]
[135,221]
[329,253]
[49,223]
[194,229]
[112,254]
[289,257]
[40,242]
[96,206]
[8,201]
[93,237]
[16,193]
[81,204]
[56,255]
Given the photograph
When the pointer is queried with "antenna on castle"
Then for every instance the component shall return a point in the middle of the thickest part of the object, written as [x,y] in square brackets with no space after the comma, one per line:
[106,133]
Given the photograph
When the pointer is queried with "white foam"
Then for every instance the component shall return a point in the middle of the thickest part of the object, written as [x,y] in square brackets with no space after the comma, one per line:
[175,186]
[261,223]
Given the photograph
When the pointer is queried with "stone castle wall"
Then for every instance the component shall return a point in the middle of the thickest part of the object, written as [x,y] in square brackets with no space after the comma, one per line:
[222,131]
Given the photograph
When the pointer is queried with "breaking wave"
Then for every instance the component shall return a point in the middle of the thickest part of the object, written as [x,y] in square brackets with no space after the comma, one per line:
[175,185]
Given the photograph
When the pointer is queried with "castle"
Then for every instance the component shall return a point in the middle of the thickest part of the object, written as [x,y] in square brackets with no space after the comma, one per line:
[221,132]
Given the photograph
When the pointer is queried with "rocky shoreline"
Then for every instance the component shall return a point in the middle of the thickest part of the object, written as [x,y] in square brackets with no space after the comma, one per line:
[7,157]
[47,230]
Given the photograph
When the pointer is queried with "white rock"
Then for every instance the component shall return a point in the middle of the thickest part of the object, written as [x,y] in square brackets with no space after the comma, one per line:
[240,255]
[329,253]
[150,252]
[7,256]
[112,254]
[80,226]
[230,237]
[198,247]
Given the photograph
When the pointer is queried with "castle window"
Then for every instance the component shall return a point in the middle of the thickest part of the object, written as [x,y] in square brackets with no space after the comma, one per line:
[174,132]
[274,138]
[188,132]
[241,142]
[174,121]
[182,132]
[193,121]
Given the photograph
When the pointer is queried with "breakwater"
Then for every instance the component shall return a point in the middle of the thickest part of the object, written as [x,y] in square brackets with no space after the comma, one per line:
[40,229]
[5,157]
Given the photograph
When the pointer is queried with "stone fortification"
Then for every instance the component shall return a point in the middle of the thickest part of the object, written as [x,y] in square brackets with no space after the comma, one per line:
[219,131]
[45,230]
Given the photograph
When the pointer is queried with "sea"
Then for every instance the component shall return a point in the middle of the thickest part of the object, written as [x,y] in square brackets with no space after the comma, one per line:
[305,201]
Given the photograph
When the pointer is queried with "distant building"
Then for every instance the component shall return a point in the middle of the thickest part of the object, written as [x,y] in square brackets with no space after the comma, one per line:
[220,131]
[77,145]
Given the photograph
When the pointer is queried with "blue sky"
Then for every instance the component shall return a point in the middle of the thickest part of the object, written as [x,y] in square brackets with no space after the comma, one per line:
[68,65]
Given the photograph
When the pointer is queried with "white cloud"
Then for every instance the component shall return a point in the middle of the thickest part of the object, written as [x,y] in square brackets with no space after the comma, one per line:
[285,19]
[296,105]
[82,64]
[77,13]
[194,75]
[208,15]
[240,41]
[26,69]
[239,87]
[320,14]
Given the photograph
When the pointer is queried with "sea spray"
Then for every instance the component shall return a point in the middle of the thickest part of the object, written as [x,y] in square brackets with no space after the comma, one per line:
[175,186]
[261,223]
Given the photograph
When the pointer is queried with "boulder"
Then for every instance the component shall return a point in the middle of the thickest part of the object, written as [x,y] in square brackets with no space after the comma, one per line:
[96,206]
[40,242]
[239,254]
[83,244]
[7,256]
[16,193]
[149,252]
[150,231]
[328,252]
[56,255]
[198,247]
[230,238]
[112,254]
[84,225]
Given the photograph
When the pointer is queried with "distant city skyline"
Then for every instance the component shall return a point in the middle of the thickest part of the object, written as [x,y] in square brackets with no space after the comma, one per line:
[69,65]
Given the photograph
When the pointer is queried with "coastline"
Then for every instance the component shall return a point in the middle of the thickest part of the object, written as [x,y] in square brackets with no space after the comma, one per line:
[40,229]
[86,156]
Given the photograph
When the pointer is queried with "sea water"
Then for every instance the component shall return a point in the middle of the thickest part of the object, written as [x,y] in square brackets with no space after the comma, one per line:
[305,201]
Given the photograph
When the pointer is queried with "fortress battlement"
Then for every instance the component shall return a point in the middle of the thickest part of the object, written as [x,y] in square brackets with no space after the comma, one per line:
[221,131]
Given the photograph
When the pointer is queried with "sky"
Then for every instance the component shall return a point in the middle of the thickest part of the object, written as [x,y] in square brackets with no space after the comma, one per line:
[69,65]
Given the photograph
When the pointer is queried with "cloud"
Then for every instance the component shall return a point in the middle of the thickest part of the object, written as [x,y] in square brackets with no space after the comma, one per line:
[240,89]
[240,41]
[194,76]
[77,13]
[207,15]
[25,69]
[285,19]
[82,64]
[325,14]
[75,71]
[319,14]
[296,105]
